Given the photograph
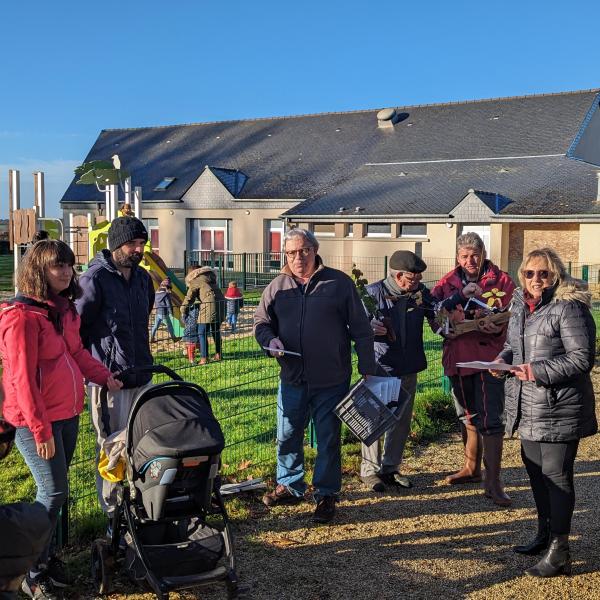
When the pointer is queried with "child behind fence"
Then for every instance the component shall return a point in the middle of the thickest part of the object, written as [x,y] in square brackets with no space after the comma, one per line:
[235,301]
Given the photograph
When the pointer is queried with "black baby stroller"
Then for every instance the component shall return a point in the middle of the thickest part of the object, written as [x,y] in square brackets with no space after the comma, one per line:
[170,517]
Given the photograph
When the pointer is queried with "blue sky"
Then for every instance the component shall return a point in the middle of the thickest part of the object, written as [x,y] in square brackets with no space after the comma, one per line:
[70,69]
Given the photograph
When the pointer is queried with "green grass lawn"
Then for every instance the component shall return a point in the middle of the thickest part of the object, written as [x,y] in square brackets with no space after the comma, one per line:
[242,389]
[6,272]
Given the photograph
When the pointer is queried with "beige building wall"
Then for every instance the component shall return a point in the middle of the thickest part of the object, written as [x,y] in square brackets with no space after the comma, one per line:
[247,231]
[589,243]
[498,251]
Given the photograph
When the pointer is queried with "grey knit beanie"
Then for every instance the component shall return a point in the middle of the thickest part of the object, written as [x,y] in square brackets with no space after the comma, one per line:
[125,229]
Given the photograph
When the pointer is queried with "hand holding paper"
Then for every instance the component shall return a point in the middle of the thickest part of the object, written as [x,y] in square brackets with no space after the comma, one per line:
[485,366]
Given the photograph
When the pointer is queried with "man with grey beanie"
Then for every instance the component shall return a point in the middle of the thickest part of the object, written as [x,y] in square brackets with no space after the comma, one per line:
[115,307]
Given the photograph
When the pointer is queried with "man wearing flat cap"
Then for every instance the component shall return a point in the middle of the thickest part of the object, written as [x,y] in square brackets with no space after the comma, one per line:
[115,307]
[403,303]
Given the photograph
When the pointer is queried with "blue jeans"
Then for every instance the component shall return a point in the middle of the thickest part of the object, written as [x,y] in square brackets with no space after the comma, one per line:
[51,476]
[295,404]
[232,320]
[203,330]
[160,318]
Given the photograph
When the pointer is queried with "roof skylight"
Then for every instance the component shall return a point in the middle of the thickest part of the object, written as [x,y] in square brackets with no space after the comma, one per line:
[164,184]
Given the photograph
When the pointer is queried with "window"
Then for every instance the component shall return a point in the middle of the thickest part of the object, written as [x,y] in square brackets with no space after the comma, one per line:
[379,230]
[323,229]
[209,236]
[151,226]
[164,184]
[413,230]
[483,231]
[350,230]
[274,242]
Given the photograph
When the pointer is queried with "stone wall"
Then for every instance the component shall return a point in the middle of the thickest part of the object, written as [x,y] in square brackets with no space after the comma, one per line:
[563,237]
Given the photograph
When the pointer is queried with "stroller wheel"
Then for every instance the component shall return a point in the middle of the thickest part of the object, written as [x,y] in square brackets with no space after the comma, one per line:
[232,586]
[103,564]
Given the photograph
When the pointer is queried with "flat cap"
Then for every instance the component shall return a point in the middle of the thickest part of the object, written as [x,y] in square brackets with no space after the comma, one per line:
[405,260]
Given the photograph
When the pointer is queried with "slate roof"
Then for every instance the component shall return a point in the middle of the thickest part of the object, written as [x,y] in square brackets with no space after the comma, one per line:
[333,160]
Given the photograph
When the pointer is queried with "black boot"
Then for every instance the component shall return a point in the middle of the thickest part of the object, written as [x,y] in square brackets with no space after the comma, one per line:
[538,543]
[556,561]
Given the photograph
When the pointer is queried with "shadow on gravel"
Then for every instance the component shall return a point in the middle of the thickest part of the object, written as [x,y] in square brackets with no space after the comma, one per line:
[402,546]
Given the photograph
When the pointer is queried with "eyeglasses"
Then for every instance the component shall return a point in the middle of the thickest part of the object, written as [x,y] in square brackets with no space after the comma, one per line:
[544,274]
[410,274]
[301,251]
[7,437]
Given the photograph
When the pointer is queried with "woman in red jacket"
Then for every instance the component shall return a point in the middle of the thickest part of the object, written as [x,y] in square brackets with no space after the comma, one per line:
[44,368]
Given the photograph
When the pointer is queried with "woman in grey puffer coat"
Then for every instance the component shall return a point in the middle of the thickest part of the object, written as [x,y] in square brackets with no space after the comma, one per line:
[551,341]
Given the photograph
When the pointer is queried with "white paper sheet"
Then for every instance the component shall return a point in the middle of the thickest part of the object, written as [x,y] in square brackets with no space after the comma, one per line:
[484,366]
[386,389]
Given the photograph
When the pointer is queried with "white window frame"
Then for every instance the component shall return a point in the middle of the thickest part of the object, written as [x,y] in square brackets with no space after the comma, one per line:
[378,235]
[413,235]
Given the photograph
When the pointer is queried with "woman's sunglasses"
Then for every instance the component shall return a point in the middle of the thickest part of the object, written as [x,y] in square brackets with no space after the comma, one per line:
[7,438]
[544,274]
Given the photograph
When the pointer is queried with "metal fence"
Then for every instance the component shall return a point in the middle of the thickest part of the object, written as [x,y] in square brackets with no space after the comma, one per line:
[242,386]
[255,270]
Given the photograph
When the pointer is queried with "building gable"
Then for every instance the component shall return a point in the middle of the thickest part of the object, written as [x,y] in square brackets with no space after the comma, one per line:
[208,191]
[471,210]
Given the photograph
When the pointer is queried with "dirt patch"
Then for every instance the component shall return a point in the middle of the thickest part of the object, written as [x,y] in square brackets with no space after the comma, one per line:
[434,541]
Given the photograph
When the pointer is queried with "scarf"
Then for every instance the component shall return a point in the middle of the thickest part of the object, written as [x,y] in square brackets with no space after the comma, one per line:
[392,285]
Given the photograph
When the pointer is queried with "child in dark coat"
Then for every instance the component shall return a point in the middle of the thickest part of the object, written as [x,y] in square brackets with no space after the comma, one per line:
[164,309]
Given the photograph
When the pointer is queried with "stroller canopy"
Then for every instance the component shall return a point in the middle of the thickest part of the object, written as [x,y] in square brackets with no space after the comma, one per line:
[175,425]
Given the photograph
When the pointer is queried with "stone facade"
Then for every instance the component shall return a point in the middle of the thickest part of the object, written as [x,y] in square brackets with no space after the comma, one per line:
[563,237]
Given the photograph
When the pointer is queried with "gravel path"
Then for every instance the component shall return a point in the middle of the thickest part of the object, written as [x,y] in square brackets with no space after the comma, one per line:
[434,541]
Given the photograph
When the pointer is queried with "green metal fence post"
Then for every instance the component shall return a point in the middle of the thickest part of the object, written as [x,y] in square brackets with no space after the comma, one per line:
[446,387]
[569,267]
[220,269]
[212,259]
[244,276]
[185,264]
[585,272]
[312,435]
[385,266]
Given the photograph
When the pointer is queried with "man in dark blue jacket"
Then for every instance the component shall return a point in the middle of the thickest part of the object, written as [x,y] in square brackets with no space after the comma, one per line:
[403,303]
[118,297]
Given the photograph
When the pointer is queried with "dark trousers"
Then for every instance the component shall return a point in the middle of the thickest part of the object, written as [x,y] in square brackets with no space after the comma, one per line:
[550,469]
[479,401]
[203,330]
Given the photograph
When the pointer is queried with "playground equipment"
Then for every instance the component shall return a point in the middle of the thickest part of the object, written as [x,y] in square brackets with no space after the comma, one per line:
[23,223]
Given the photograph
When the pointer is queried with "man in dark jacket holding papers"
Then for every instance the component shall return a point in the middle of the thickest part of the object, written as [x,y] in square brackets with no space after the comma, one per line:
[313,311]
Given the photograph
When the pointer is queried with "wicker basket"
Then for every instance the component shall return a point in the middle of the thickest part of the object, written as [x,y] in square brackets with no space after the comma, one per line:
[364,414]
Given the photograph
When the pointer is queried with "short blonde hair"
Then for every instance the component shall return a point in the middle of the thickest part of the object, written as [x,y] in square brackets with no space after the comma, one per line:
[555,265]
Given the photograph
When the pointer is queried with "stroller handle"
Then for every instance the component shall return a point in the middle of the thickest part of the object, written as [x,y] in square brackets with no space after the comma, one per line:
[104,414]
[149,369]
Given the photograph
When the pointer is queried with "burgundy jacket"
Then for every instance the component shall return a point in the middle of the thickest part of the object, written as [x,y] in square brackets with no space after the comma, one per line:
[474,345]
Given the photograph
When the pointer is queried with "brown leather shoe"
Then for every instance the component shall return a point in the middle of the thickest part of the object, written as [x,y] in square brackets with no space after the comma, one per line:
[281,495]
[325,510]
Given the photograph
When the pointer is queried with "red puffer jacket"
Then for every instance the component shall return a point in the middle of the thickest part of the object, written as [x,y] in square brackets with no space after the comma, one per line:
[43,369]
[497,289]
